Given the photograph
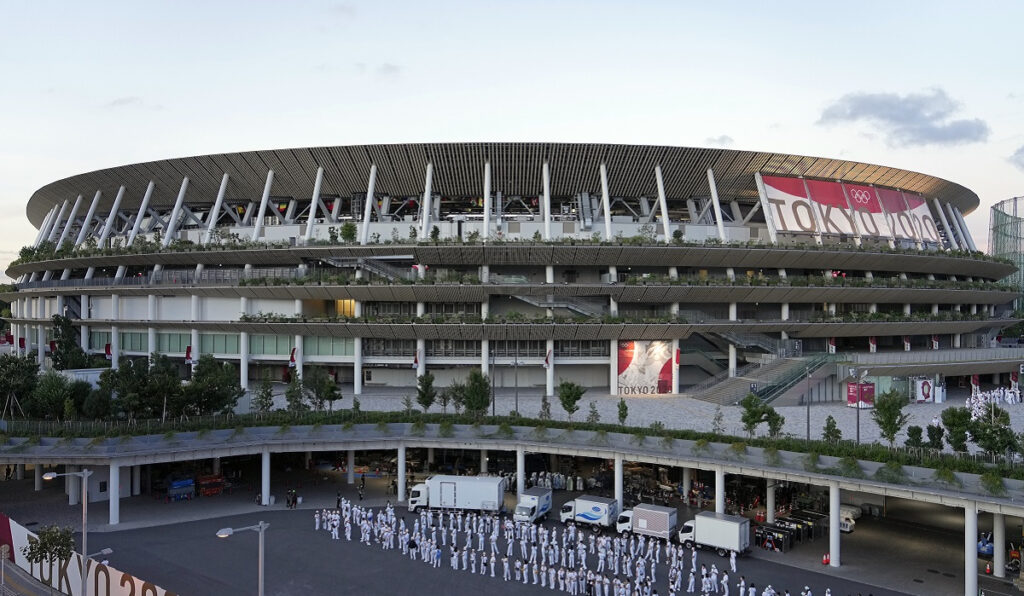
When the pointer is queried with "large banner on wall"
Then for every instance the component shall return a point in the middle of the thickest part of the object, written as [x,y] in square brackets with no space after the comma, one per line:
[66,576]
[870,216]
[645,367]
[791,210]
[923,219]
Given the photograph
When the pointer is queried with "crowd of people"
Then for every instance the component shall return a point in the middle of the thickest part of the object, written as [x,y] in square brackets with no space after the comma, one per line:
[571,560]
[978,402]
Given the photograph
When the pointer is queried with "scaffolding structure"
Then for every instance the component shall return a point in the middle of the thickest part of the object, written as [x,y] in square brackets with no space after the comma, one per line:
[1006,238]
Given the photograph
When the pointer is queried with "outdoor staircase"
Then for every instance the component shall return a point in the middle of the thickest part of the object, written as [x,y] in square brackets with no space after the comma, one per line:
[725,390]
[577,305]
[375,266]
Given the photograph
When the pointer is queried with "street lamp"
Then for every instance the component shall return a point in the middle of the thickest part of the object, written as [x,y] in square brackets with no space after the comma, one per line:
[261,528]
[84,479]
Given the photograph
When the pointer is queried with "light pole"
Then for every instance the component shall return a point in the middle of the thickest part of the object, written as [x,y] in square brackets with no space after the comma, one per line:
[83,477]
[516,379]
[261,528]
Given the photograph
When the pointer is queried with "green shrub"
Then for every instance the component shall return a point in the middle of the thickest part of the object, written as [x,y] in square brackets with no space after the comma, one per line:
[992,482]
[892,472]
[446,429]
[947,476]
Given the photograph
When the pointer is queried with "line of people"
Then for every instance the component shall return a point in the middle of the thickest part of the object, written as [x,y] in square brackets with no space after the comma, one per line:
[573,560]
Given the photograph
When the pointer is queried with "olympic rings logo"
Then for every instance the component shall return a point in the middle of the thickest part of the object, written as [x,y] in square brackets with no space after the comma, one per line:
[860,195]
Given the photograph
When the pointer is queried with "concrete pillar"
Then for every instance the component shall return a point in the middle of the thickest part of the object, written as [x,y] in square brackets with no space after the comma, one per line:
[216,466]
[520,471]
[769,502]
[401,473]
[485,361]
[719,490]
[971,549]
[351,467]
[114,494]
[687,482]
[430,455]
[613,367]
[421,357]
[833,525]
[675,362]
[618,479]
[550,377]
[72,486]
[483,461]
[38,468]
[732,360]
[999,545]
[137,479]
[265,478]
[357,367]
[553,462]
[299,369]
[19,472]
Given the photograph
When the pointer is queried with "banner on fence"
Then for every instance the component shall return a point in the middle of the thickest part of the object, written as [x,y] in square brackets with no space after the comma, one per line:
[645,367]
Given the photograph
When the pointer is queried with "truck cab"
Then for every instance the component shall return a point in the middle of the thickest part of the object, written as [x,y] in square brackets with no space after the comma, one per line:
[568,512]
[625,521]
[418,497]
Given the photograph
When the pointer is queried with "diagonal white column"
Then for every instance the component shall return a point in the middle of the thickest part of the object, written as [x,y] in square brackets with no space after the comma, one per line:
[258,225]
[70,222]
[662,203]
[52,236]
[44,228]
[364,234]
[950,236]
[716,205]
[215,212]
[426,206]
[963,226]
[606,203]
[313,205]
[87,223]
[172,225]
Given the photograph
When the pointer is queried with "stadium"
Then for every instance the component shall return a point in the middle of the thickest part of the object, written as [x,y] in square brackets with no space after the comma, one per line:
[630,269]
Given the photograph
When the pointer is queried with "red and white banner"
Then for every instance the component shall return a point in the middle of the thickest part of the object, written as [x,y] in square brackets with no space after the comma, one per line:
[21,343]
[831,345]
[291,359]
[66,576]
[188,354]
[645,367]
[872,344]
[547,359]
[416,359]
[921,214]
[791,210]
[935,342]
[906,343]
[860,395]
[1014,380]
[106,350]
[869,215]
[924,392]
[834,213]
[896,214]
[52,347]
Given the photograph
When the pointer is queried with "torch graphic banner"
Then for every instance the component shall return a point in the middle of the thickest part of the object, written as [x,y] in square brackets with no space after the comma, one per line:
[645,367]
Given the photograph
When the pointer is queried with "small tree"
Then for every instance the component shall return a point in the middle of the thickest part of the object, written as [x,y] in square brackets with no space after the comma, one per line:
[888,415]
[47,399]
[52,544]
[320,388]
[425,392]
[263,396]
[914,437]
[294,395]
[68,354]
[775,422]
[477,394]
[991,431]
[214,388]
[935,433]
[435,234]
[445,397]
[593,416]
[753,413]
[569,394]
[348,232]
[956,422]
[831,432]
[718,420]
[18,377]
[623,411]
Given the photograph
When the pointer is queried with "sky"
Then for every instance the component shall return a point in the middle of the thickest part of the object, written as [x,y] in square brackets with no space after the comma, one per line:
[934,87]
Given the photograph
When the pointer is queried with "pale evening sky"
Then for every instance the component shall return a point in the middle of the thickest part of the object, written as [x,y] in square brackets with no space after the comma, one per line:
[935,87]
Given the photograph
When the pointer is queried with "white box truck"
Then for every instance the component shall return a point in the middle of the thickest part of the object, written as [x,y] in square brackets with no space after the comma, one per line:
[586,509]
[479,493]
[534,505]
[649,520]
[717,531]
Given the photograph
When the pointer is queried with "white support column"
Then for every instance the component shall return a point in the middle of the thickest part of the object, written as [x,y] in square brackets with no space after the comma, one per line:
[73,486]
[833,524]
[215,212]
[19,472]
[485,233]
[520,472]
[963,226]
[41,334]
[732,360]
[719,489]
[114,493]
[613,367]
[675,363]
[368,207]
[549,381]
[618,480]
[546,199]
[87,222]
[485,361]
[243,360]
[687,484]
[971,549]
[108,226]
[999,542]
[401,473]
[717,206]
[194,341]
[258,224]
[606,208]
[662,204]
[172,223]
[70,222]
[426,205]
[357,367]
[115,335]
[483,461]
[44,228]
[421,357]
[769,502]
[151,331]
[137,224]
[56,228]
[954,223]
[950,236]
[350,469]
[265,478]
[137,480]
[37,468]
[299,364]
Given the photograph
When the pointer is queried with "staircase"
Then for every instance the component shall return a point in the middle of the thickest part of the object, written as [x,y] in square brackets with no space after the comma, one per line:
[725,390]
[752,340]
[577,305]
[375,266]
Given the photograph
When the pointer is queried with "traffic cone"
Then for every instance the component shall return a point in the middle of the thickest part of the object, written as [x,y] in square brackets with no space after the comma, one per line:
[988,568]
[825,560]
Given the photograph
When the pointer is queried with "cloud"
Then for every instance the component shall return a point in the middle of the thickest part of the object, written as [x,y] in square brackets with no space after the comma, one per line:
[130,101]
[344,10]
[387,69]
[720,141]
[908,120]
[1017,158]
